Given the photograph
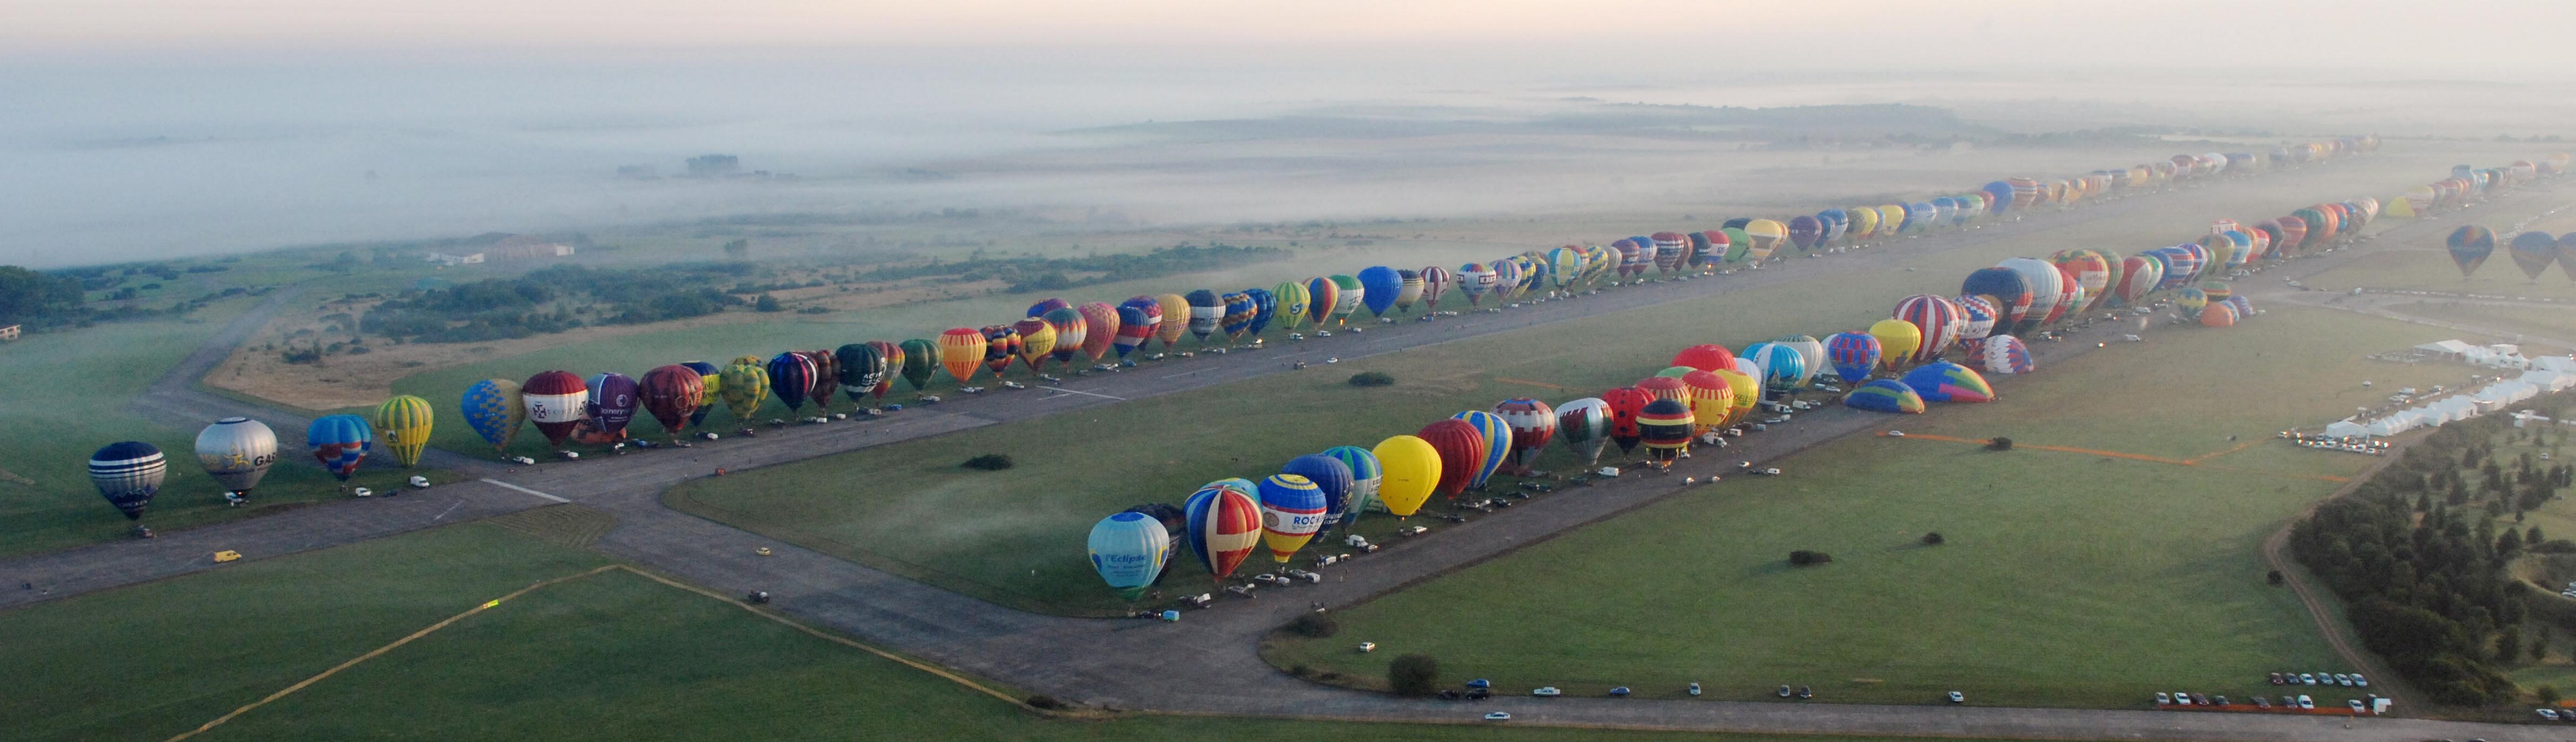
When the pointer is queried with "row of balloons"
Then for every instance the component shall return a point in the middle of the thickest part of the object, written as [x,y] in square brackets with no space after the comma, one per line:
[237,452]
[2533,252]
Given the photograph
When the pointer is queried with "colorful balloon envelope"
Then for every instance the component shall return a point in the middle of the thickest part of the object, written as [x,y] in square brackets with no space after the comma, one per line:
[2046,288]
[1624,404]
[2217,314]
[1207,313]
[495,410]
[791,377]
[1367,478]
[1705,357]
[1134,328]
[1497,436]
[1292,510]
[2011,293]
[1036,340]
[745,387]
[1949,382]
[1001,345]
[890,362]
[1413,471]
[1224,526]
[1711,400]
[1897,341]
[609,404]
[1475,280]
[1811,355]
[1128,550]
[1584,426]
[1264,306]
[1041,308]
[1435,283]
[405,421]
[2005,354]
[1747,393]
[710,383]
[827,377]
[1462,453]
[2533,252]
[1935,319]
[671,393]
[237,452]
[1885,395]
[128,474]
[1805,232]
[1531,424]
[1237,319]
[556,401]
[1855,355]
[339,442]
[1347,296]
[862,368]
[1781,366]
[1378,288]
[1334,478]
[1667,428]
[1663,387]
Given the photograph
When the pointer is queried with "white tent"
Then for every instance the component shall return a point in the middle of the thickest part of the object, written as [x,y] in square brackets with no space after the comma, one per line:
[2548,380]
[2346,429]
[2554,363]
[2452,347]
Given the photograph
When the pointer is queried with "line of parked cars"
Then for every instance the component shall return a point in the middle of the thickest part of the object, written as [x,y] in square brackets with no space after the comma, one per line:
[2353,680]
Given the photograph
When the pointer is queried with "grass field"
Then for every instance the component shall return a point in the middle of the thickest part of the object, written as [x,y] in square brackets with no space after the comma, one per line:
[1160,449]
[65,395]
[610,656]
[2068,579]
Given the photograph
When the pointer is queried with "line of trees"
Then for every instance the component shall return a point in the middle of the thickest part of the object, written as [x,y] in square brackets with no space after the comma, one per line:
[1057,274]
[2421,551]
[539,302]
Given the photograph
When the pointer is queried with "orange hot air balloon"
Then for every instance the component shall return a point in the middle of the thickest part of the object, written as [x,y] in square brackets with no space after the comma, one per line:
[1663,387]
[961,351]
[1101,329]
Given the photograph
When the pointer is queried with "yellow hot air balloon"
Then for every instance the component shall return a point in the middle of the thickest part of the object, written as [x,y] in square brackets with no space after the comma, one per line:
[1037,339]
[1412,468]
[1897,339]
[746,385]
[1891,217]
[1767,235]
[961,351]
[404,422]
[1176,319]
[1864,223]
[1748,391]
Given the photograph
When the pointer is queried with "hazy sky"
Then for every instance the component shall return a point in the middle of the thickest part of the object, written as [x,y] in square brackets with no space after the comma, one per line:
[2511,38]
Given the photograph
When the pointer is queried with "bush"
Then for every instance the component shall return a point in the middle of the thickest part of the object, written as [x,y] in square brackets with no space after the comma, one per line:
[1414,675]
[1933,539]
[1803,557]
[989,462]
[1315,626]
[1999,443]
[1371,378]
[1045,702]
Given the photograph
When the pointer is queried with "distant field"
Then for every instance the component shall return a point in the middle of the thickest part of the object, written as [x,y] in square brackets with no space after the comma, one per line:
[2068,579]
[1076,468]
[66,396]
[613,656]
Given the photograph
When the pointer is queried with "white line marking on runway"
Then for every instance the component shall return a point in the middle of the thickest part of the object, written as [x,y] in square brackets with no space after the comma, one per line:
[1072,391]
[442,515]
[526,490]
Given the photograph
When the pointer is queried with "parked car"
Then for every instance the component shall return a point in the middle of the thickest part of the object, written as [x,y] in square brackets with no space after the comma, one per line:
[2276,679]
[2343,680]
[1784,691]
[2550,714]
[2354,704]
[1694,689]
[1806,692]
[2262,703]
[2360,682]
[2307,679]
[1958,697]
[1498,716]
[1547,691]
[2164,699]
[2218,700]
[1619,692]
[2307,703]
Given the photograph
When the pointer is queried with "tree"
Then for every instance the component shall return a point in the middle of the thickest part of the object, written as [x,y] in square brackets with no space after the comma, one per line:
[1999,443]
[1414,675]
[1933,539]
[2533,537]
[989,462]
[767,303]
[738,249]
[1803,557]
[1371,378]
[2547,695]
[2275,577]
[2508,645]
[28,296]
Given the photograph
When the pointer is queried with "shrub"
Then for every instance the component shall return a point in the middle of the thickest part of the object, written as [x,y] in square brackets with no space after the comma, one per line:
[989,462]
[1315,626]
[1803,557]
[1414,675]
[2276,577]
[1999,443]
[1371,378]
[1933,539]
[1045,702]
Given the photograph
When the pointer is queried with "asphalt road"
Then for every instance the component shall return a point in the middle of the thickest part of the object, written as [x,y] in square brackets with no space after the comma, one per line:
[1208,662]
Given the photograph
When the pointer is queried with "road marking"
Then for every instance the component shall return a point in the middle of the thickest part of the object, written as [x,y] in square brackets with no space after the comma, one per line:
[442,515]
[526,490]
[1186,373]
[1074,391]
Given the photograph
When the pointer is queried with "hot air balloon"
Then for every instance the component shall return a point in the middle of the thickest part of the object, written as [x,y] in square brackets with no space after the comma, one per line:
[746,385]
[2217,314]
[609,405]
[2005,354]
[1462,453]
[669,394]
[1001,346]
[494,409]
[1528,425]
[1864,222]
[1497,436]
[556,401]
[1367,476]
[1666,425]
[2532,252]
[1378,286]
[1265,305]
[827,377]
[1071,332]
[128,474]
[1176,319]
[1705,357]
[1977,320]
[1885,395]
[1035,338]
[1476,280]
[1935,319]
[1413,471]
[1805,232]
[1584,426]
[1235,317]
[1711,400]
[1507,278]
[791,377]
[2011,293]
[2091,270]
[1128,550]
[237,451]
[1854,355]
[1624,404]
[2047,288]
[2138,276]
[2470,245]
[1139,318]
[1665,387]
[1897,341]
[1435,282]
[405,420]
[861,367]
[1223,525]
[1766,236]
[1564,266]
[1408,289]
[1747,389]
[1334,478]
[1347,297]
[339,442]
[1207,311]
[710,382]
[1811,355]
[1781,365]
[1292,510]
[1041,308]
[1949,382]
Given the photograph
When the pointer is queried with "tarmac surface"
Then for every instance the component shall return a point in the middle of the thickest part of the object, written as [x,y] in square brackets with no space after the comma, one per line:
[1131,664]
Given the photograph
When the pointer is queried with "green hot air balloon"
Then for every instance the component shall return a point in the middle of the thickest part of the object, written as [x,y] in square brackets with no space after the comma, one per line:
[920,358]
